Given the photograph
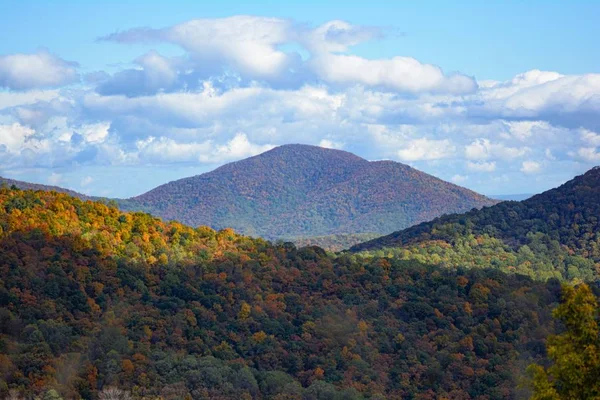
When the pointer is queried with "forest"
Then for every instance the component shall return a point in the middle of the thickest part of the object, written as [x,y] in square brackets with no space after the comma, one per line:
[295,191]
[94,298]
[555,234]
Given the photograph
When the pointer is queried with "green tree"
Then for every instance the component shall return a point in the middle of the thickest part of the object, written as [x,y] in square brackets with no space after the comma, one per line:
[51,395]
[575,371]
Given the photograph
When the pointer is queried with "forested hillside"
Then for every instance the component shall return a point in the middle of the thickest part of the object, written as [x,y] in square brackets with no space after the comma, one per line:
[92,297]
[35,186]
[303,191]
[553,234]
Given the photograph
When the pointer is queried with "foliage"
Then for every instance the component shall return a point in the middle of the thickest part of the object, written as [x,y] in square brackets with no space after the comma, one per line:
[11,183]
[305,191]
[91,298]
[554,234]
[575,372]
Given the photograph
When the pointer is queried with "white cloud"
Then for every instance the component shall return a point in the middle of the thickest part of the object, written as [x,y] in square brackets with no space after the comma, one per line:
[589,137]
[14,136]
[251,46]
[588,154]
[13,99]
[481,166]
[563,94]
[494,90]
[531,167]
[86,181]
[94,133]
[328,144]
[28,71]
[483,149]
[55,179]
[404,74]
[523,130]
[246,43]
[237,148]
[165,150]
[459,178]
[244,84]
[566,100]
[426,149]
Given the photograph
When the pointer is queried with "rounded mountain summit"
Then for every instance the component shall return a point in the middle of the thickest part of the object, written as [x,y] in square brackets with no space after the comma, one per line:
[297,191]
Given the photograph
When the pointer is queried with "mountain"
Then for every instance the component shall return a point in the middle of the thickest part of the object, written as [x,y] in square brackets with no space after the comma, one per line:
[35,186]
[300,191]
[552,234]
[93,298]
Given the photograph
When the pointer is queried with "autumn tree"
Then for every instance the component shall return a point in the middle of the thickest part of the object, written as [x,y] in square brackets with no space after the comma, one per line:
[575,371]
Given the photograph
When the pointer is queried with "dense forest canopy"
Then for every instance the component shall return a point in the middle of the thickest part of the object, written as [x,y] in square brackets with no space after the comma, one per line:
[553,234]
[91,297]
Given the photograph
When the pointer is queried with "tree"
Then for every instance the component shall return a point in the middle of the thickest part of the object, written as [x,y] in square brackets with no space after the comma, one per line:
[575,372]
[113,393]
[51,395]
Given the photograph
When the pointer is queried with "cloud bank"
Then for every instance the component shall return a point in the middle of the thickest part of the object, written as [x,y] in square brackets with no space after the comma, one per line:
[245,84]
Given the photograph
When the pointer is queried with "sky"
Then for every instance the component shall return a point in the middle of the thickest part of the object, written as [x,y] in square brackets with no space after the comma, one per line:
[114,98]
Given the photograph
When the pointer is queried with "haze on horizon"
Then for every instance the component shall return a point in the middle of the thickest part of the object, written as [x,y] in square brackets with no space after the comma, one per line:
[488,95]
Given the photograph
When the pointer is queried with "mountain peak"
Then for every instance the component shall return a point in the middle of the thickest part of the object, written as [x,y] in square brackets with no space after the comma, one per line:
[301,190]
[294,150]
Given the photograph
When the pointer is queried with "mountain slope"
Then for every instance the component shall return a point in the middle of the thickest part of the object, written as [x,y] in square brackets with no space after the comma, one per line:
[36,186]
[299,191]
[561,225]
[91,297]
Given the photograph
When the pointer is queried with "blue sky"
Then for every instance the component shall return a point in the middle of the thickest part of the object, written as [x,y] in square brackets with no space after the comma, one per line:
[113,98]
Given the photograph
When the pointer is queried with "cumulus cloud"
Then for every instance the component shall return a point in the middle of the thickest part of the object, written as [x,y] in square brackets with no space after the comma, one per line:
[426,149]
[245,84]
[247,44]
[458,179]
[591,138]
[404,74]
[29,71]
[484,149]
[236,148]
[86,181]
[251,46]
[588,154]
[13,137]
[165,150]
[155,73]
[481,166]
[55,179]
[328,144]
[14,99]
[531,167]
[571,101]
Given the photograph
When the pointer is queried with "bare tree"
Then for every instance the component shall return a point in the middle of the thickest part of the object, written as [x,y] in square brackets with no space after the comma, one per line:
[113,393]
[14,395]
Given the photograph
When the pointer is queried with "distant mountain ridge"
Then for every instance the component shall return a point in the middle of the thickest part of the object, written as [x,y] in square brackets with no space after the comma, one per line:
[47,188]
[554,212]
[300,191]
